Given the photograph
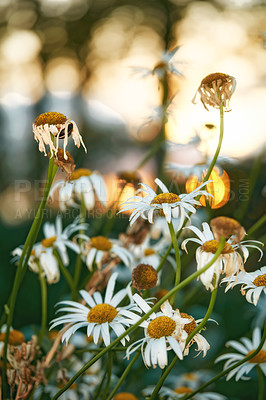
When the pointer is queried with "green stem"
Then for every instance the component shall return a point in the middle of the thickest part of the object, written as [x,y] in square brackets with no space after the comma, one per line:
[63,269]
[225,372]
[44,304]
[257,225]
[177,257]
[109,374]
[78,265]
[163,259]
[133,327]
[23,261]
[189,338]
[260,383]
[123,376]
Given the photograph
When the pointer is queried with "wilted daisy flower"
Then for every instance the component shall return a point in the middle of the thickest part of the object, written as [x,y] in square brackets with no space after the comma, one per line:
[144,277]
[244,348]
[163,332]
[83,185]
[227,227]
[253,284]
[99,315]
[100,250]
[168,204]
[229,261]
[216,89]
[179,392]
[55,239]
[52,125]
[203,345]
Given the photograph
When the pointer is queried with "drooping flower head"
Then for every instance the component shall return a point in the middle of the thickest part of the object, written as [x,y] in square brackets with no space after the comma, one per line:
[49,127]
[227,227]
[229,261]
[216,89]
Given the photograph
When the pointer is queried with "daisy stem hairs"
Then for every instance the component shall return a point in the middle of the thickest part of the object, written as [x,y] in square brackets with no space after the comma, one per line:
[44,303]
[124,375]
[177,257]
[167,371]
[133,327]
[225,372]
[23,261]
[78,264]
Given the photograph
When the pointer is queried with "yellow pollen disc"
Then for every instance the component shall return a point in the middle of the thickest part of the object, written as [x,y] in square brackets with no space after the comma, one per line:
[50,118]
[125,396]
[78,173]
[49,242]
[259,358]
[161,326]
[191,325]
[102,313]
[15,337]
[214,78]
[183,389]
[165,198]
[149,252]
[260,280]
[101,243]
[211,246]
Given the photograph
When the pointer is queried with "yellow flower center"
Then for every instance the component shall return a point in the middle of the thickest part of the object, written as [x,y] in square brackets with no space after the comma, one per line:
[102,313]
[259,358]
[191,325]
[144,276]
[215,77]
[78,173]
[49,241]
[183,389]
[165,198]
[149,252]
[125,396]
[211,246]
[50,118]
[130,177]
[161,326]
[190,376]
[15,338]
[260,280]
[101,243]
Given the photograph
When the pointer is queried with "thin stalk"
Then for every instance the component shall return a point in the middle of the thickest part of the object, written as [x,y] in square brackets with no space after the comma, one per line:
[123,376]
[177,257]
[133,327]
[225,372]
[44,304]
[109,374]
[260,383]
[99,390]
[78,265]
[63,269]
[257,225]
[22,264]
[189,338]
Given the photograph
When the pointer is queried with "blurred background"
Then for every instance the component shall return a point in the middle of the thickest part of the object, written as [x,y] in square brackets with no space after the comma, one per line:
[93,61]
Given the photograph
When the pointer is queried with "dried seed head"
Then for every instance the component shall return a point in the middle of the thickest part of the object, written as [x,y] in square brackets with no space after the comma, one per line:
[144,276]
[191,325]
[227,227]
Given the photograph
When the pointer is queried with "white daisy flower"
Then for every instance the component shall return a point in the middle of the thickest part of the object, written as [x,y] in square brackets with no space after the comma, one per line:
[99,315]
[253,284]
[169,204]
[179,392]
[83,185]
[244,348]
[163,332]
[229,262]
[203,345]
[54,124]
[100,249]
[55,239]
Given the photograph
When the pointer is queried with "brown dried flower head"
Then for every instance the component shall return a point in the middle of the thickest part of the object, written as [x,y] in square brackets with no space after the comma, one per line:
[66,165]
[227,227]
[144,277]
[51,126]
[132,177]
[215,90]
